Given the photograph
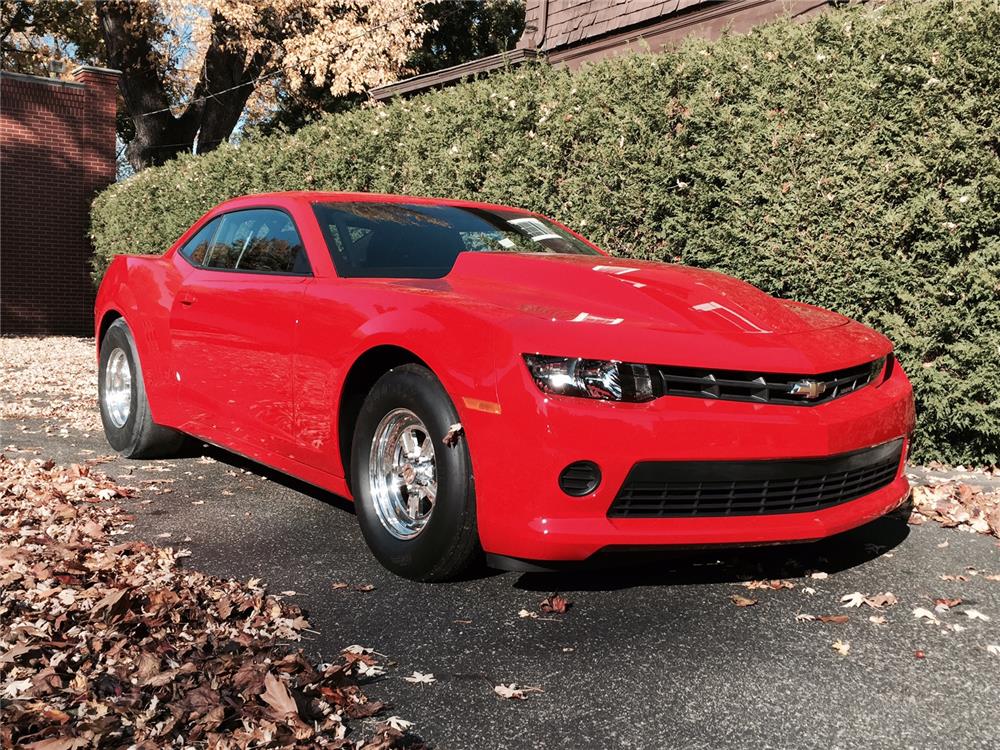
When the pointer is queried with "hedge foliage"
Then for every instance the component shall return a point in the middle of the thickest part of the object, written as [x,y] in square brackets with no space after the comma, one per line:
[852,162]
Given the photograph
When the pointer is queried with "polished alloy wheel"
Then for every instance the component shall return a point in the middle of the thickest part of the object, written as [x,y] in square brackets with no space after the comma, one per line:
[118,388]
[402,473]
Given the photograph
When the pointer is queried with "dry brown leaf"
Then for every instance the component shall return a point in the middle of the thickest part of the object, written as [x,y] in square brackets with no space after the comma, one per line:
[877,601]
[742,601]
[555,603]
[513,692]
[161,645]
[276,695]
[451,437]
[947,603]
[836,619]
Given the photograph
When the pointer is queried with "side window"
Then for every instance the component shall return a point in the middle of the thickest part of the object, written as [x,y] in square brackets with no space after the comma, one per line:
[275,246]
[261,240]
[196,248]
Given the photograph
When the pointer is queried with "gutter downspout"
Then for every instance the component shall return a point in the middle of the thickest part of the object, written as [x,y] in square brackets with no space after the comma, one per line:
[543,23]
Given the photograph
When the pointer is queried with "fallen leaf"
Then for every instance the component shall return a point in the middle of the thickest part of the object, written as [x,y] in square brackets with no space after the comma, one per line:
[852,600]
[878,601]
[975,614]
[919,654]
[513,692]
[400,725]
[926,614]
[841,647]
[819,575]
[451,437]
[947,603]
[276,695]
[876,620]
[837,619]
[420,677]
[774,585]
[554,603]
[804,617]
[742,601]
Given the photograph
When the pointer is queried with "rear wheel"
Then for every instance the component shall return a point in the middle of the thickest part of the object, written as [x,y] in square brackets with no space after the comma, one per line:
[414,495]
[128,423]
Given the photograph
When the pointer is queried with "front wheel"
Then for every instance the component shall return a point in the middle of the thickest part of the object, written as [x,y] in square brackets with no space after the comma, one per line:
[414,494]
[128,423]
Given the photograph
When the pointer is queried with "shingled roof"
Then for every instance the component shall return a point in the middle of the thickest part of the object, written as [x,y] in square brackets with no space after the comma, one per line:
[568,22]
[573,32]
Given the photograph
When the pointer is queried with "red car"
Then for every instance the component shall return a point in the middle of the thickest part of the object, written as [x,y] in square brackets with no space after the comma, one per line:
[482,379]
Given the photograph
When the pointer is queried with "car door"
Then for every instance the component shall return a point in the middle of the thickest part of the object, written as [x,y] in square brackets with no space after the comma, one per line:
[234,328]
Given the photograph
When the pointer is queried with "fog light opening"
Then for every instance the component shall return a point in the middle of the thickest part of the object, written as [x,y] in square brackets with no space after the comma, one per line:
[580,478]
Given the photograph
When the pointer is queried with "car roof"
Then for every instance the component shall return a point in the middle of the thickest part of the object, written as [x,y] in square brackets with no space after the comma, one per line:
[317,196]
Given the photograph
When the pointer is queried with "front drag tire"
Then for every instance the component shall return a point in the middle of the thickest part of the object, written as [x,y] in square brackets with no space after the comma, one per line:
[393,474]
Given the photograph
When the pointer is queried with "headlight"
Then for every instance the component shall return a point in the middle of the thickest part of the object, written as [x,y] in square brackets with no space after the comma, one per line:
[591,378]
[881,369]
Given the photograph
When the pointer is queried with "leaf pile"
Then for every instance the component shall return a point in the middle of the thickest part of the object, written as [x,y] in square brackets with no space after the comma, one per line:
[52,378]
[115,645]
[958,504]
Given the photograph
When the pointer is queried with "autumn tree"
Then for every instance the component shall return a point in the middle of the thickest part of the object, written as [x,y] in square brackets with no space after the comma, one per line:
[456,31]
[34,34]
[190,69]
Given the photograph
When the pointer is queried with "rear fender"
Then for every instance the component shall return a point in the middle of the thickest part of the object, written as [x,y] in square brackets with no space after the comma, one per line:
[141,289]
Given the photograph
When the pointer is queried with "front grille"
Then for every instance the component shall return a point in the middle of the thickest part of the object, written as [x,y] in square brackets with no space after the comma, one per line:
[768,388]
[675,489]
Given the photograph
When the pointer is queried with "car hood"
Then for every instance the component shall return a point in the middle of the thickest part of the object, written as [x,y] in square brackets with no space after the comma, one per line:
[630,293]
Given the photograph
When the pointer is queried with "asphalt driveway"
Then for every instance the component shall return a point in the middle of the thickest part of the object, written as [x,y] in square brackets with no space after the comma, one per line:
[654,654]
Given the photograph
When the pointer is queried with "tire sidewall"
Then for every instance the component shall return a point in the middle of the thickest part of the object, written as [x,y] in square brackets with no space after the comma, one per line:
[415,388]
[123,439]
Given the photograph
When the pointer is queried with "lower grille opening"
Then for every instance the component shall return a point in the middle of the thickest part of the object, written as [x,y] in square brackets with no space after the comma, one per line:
[677,489]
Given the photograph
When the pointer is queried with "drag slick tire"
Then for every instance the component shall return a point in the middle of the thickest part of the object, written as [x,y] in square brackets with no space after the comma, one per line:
[128,423]
[414,495]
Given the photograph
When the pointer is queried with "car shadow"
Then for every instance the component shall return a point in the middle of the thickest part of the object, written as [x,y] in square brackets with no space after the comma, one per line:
[617,569]
[194,449]
[623,569]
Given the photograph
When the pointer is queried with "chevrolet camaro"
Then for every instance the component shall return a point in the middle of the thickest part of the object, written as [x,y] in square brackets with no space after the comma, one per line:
[483,381]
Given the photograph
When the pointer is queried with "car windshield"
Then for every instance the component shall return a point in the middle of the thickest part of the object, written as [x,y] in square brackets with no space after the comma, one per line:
[400,240]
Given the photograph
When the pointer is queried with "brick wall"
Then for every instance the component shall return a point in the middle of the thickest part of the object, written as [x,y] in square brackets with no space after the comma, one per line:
[57,149]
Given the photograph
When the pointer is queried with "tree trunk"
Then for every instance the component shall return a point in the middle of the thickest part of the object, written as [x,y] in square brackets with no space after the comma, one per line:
[227,72]
[215,107]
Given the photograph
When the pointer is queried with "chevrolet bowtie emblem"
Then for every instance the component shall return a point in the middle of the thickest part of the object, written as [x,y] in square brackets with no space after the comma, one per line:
[807,388]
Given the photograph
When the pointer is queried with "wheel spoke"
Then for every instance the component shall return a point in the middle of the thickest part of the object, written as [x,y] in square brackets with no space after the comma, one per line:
[117,389]
[409,441]
[402,474]
[427,449]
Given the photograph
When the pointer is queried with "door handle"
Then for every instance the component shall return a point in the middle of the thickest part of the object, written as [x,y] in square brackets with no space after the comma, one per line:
[186,298]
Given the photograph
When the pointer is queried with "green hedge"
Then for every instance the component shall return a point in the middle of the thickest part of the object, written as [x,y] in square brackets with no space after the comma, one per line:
[852,162]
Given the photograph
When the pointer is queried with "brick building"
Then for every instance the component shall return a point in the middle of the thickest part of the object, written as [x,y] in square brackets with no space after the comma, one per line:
[57,149]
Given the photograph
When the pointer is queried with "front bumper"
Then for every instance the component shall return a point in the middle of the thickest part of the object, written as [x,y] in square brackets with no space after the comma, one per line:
[518,455]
